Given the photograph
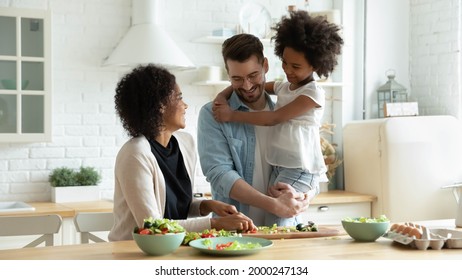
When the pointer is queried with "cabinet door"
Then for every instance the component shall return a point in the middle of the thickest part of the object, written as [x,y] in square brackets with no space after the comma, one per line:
[25,75]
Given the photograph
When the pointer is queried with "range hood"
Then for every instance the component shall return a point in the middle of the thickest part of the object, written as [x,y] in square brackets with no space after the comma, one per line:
[147,42]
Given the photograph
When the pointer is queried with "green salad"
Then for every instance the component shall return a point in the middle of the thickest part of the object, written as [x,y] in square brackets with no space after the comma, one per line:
[231,246]
[159,226]
[380,219]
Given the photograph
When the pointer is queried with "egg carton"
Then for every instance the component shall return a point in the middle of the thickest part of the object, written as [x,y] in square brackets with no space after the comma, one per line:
[436,239]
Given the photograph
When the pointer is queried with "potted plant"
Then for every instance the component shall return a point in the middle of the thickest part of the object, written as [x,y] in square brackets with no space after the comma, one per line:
[70,185]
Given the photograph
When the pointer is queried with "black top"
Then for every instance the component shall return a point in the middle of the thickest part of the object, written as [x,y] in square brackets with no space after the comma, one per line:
[177,181]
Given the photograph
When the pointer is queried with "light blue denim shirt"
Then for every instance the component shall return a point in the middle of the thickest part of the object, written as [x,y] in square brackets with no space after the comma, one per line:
[226,151]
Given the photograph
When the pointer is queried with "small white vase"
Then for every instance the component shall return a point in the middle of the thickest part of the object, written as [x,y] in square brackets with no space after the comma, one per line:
[324,186]
[75,194]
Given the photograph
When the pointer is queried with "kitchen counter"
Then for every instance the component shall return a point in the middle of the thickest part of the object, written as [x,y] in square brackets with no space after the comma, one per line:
[69,209]
[330,248]
[65,209]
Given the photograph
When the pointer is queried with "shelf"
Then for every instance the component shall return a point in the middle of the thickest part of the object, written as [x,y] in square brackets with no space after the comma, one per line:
[330,84]
[221,39]
[227,83]
[212,83]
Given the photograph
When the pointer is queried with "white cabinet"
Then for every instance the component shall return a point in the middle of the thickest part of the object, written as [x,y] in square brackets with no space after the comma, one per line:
[329,208]
[25,75]
[332,214]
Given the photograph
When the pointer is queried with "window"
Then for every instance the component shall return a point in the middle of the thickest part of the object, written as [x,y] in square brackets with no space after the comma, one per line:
[25,75]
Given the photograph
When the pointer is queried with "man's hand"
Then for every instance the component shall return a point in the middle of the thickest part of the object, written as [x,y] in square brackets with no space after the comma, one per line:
[290,203]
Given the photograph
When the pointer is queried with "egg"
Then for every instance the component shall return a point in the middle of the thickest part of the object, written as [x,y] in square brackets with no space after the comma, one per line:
[400,228]
[406,230]
[415,232]
[394,227]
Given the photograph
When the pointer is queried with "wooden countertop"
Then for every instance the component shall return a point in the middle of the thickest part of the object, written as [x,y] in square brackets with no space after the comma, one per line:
[65,210]
[330,248]
[69,209]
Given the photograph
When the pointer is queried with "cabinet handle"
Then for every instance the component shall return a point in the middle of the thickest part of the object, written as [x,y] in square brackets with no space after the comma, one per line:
[323,208]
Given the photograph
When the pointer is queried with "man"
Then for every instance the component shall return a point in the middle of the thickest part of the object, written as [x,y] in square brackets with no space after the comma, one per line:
[232,154]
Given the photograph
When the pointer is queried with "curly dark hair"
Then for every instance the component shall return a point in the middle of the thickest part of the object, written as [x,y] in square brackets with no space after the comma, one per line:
[140,98]
[318,39]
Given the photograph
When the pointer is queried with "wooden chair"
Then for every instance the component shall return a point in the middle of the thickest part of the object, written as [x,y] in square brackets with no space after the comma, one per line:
[88,222]
[44,225]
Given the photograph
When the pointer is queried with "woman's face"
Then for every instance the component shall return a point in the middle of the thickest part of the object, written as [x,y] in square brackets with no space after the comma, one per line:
[174,114]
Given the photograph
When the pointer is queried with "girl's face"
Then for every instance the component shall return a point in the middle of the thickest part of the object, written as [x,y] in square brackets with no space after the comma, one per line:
[174,114]
[296,66]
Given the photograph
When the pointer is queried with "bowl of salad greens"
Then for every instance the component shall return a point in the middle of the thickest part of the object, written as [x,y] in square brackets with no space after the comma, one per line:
[159,237]
[364,229]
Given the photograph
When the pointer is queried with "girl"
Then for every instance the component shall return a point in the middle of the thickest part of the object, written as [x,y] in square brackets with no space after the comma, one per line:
[306,45]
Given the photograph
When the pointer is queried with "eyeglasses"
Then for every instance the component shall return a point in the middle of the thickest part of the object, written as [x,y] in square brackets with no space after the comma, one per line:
[253,78]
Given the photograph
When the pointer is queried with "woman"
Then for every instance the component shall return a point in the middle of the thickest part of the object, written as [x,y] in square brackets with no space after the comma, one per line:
[154,170]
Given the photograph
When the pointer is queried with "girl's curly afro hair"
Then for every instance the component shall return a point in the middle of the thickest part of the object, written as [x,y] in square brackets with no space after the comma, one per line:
[141,97]
[318,39]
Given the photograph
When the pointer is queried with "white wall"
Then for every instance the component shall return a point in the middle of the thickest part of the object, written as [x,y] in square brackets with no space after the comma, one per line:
[421,41]
[435,58]
[387,47]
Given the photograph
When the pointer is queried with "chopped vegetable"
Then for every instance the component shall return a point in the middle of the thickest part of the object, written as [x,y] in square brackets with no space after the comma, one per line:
[159,226]
[208,233]
[381,219]
[236,245]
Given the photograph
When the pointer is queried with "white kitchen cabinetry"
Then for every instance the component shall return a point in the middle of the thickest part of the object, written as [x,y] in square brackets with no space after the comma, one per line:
[25,75]
[331,207]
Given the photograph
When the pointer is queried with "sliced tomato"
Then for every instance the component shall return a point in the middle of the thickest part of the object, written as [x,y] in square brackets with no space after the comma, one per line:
[223,245]
[145,231]
[253,230]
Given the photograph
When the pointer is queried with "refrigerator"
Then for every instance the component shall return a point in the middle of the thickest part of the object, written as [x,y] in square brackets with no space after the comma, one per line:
[405,162]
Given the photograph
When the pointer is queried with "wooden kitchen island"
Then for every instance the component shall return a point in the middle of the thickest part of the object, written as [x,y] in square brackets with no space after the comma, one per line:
[326,248]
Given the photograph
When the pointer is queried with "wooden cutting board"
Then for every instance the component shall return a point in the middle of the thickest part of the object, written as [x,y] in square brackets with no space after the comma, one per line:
[322,232]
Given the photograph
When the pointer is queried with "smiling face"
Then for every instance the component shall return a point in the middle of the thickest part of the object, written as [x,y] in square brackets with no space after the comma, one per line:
[248,80]
[296,66]
[174,114]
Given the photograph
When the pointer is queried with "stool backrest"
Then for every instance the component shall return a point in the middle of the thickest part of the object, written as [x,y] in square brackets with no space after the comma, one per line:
[88,222]
[44,225]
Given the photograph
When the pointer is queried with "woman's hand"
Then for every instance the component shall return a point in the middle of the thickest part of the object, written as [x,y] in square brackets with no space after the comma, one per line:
[217,207]
[237,221]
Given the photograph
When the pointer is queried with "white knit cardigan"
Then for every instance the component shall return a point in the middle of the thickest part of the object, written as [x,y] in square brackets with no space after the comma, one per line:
[140,192]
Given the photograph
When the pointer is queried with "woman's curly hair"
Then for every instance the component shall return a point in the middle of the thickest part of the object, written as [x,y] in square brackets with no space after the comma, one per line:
[318,39]
[141,96]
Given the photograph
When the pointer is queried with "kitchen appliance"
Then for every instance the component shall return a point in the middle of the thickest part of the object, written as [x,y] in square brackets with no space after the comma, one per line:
[147,41]
[405,162]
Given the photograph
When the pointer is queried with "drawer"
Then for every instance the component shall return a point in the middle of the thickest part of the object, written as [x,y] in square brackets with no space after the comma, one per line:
[332,214]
